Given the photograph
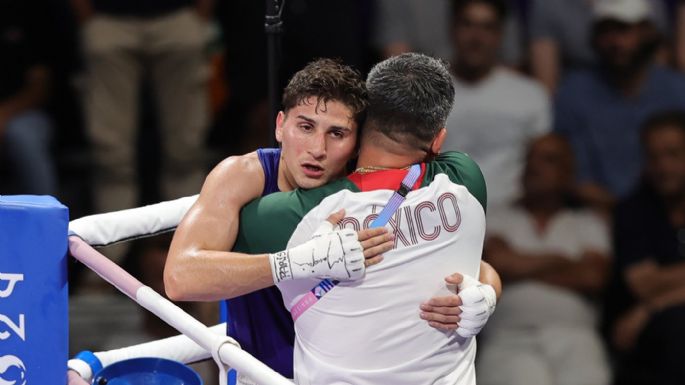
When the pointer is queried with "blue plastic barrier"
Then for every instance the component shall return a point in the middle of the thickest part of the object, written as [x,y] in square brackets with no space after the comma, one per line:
[34,328]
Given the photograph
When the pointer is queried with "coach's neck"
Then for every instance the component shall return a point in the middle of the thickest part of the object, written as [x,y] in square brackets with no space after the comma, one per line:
[380,150]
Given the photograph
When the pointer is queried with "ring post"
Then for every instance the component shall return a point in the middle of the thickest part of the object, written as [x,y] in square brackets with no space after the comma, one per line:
[34,326]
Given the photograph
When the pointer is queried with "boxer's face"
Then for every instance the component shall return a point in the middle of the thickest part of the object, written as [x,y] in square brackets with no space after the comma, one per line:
[317,139]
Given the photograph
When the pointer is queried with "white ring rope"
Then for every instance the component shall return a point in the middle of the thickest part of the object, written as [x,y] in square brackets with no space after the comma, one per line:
[178,348]
[124,225]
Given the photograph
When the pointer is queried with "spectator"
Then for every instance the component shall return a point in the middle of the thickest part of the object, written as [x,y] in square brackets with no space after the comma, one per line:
[496,111]
[600,110]
[424,26]
[646,301]
[553,259]
[560,33]
[123,41]
[25,129]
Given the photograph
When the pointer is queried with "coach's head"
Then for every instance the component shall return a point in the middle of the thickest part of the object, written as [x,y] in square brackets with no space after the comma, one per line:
[410,96]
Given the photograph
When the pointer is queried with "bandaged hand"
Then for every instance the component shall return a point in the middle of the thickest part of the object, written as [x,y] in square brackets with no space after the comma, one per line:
[328,254]
[466,312]
[478,303]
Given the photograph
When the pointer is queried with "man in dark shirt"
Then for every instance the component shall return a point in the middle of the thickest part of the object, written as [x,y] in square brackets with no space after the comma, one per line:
[645,305]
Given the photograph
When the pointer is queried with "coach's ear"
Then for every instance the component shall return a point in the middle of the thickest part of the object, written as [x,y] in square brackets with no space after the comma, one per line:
[438,141]
[280,119]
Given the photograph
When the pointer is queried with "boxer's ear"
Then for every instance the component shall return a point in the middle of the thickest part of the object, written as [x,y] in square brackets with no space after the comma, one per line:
[280,119]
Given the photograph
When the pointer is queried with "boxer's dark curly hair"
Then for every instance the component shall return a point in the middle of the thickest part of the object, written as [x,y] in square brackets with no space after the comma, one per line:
[327,80]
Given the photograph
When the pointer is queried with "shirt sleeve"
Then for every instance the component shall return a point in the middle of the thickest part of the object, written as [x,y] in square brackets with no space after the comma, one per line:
[305,229]
[267,223]
[463,170]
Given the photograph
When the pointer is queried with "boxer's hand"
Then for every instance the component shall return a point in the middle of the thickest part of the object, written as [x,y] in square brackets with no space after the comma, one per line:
[467,312]
[374,241]
[338,255]
[478,304]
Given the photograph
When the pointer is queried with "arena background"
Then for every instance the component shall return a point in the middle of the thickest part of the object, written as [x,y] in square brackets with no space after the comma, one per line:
[50,34]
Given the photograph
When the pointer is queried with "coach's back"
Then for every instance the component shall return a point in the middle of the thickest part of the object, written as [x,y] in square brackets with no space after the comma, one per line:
[369,331]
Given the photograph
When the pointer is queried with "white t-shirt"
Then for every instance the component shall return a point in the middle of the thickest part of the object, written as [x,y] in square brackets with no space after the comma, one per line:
[526,304]
[369,331]
[493,121]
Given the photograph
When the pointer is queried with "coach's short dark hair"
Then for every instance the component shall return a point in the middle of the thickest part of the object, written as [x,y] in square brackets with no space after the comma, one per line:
[499,6]
[327,80]
[409,95]
[662,119]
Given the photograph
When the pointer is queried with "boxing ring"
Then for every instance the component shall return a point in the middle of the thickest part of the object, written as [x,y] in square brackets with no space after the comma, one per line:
[36,349]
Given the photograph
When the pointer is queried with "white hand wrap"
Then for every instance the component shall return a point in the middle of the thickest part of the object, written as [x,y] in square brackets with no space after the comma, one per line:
[329,254]
[478,304]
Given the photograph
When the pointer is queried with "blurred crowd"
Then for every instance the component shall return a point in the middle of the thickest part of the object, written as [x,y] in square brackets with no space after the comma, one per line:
[574,109]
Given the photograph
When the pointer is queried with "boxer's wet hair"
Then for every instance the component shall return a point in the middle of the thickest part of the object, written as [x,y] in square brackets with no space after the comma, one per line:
[327,80]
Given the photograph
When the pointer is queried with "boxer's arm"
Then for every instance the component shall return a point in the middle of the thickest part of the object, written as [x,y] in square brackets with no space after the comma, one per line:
[489,276]
[200,265]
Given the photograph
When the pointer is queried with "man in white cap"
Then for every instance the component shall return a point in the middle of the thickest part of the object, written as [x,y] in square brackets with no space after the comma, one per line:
[600,109]
[559,33]
[628,11]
